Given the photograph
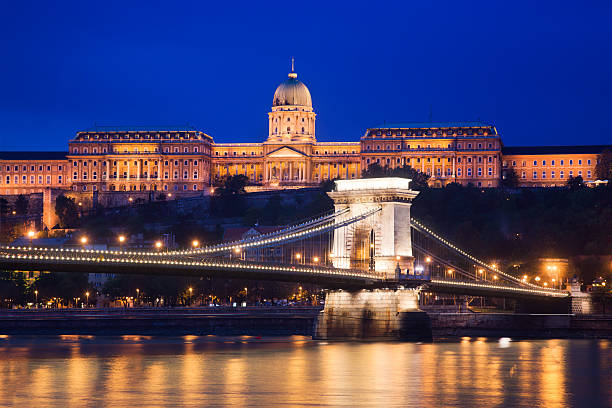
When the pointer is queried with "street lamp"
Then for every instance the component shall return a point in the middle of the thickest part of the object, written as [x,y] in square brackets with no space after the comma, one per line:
[195,243]
[31,235]
[87,295]
[298,256]
[315,259]
[190,292]
[84,240]
[428,259]
[158,244]
[121,239]
[36,295]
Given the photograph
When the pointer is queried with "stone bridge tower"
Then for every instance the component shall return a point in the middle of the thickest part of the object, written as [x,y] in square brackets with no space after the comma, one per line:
[382,241]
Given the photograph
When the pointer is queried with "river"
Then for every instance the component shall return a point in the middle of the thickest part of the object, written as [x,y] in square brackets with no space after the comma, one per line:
[190,371]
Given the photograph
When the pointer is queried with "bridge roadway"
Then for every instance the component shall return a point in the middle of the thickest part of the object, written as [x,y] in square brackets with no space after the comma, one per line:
[159,263]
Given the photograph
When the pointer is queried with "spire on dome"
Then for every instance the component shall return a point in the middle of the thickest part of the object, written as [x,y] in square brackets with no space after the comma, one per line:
[292,74]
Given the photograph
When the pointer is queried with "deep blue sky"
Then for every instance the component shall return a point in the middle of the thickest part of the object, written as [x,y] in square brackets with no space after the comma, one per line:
[540,71]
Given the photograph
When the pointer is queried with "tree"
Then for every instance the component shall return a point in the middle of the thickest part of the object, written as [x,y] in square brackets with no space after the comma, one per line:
[229,198]
[603,169]
[4,207]
[21,205]
[67,211]
[510,178]
[232,185]
[575,183]
[419,179]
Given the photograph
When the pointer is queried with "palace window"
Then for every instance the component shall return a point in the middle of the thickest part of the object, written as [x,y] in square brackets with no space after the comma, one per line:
[552,174]
[561,162]
[480,145]
[84,175]
[94,175]
[535,162]
[32,180]
[571,173]
[469,159]
[535,175]
[469,171]
[195,175]
[523,175]
[479,159]
[579,162]
[185,162]
[176,150]
[571,162]
[480,171]
[176,174]
[469,146]
[588,173]
[166,175]
[459,172]
[59,179]
[543,162]
[74,175]
[490,171]
[543,174]
[589,162]
[75,150]
[580,173]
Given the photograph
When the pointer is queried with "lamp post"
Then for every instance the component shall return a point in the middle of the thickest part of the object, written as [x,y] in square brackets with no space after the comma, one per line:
[87,296]
[31,235]
[190,292]
[36,297]
[195,243]
[158,245]
[121,240]
[83,241]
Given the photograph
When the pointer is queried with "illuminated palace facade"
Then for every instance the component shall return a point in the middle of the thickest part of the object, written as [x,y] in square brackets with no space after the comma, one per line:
[184,161]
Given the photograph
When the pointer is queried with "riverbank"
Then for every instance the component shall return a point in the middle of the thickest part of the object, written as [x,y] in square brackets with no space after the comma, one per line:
[222,321]
[282,321]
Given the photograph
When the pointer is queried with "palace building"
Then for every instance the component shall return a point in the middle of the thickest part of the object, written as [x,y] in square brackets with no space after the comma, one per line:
[115,163]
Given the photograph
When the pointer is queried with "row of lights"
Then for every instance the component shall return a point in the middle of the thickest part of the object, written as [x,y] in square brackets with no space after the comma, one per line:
[497,287]
[229,245]
[492,266]
[255,242]
[227,265]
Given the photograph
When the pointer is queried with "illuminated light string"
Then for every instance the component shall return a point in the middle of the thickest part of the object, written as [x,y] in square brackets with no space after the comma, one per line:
[225,265]
[482,263]
[508,288]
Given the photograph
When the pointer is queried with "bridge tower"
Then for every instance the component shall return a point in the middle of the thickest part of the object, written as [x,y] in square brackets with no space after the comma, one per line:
[382,241]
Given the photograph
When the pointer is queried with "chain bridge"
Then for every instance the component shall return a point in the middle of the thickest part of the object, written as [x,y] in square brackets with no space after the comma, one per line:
[369,241]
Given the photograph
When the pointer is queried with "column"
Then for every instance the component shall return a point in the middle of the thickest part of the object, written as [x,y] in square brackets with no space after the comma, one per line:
[290,171]
[443,170]
[454,171]
[347,171]
[138,168]
[128,170]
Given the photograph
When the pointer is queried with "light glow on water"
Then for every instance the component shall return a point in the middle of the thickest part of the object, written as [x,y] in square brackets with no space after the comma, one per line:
[139,371]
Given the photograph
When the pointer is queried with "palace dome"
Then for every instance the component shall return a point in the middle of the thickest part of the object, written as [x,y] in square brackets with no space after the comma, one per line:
[292,92]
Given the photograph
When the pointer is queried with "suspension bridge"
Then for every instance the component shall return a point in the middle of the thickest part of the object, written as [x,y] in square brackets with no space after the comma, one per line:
[368,241]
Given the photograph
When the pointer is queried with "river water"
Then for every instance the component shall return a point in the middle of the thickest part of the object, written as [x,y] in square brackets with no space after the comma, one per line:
[135,371]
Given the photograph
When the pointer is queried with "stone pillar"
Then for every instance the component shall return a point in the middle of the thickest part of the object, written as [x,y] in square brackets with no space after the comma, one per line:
[392,197]
[389,314]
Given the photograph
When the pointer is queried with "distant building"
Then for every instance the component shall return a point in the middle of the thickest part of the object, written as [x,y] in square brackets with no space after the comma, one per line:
[550,166]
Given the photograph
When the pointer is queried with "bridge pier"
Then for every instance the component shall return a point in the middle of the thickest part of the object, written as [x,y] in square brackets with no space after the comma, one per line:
[379,314]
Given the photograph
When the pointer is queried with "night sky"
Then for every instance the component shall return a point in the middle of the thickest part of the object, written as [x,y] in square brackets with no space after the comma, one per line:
[540,71]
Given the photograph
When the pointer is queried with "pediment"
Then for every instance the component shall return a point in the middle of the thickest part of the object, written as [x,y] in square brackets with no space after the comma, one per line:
[286,152]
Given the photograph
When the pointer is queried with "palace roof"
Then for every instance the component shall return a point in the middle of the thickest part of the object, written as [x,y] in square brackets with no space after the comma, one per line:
[32,155]
[432,125]
[588,149]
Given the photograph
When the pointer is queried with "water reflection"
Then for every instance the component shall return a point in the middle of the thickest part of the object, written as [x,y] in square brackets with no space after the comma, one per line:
[204,371]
